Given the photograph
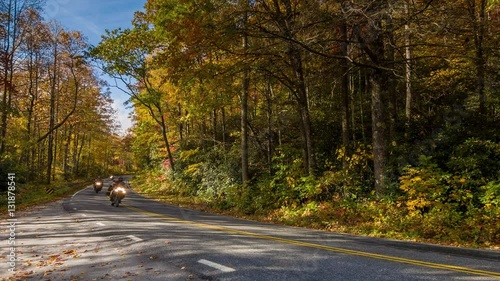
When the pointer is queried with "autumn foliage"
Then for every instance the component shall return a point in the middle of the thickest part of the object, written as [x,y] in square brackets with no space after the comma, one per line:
[56,119]
[374,117]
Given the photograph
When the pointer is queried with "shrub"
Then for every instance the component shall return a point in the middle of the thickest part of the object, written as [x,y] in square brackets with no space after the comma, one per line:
[352,181]
[424,187]
[478,160]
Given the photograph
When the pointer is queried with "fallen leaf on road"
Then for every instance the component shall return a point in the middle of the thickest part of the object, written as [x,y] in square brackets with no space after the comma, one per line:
[23,274]
[70,252]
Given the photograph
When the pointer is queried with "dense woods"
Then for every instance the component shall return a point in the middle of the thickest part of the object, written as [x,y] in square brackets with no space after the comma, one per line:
[56,119]
[378,117]
[378,114]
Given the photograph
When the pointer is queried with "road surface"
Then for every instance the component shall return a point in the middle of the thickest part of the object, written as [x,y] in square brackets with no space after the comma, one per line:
[85,238]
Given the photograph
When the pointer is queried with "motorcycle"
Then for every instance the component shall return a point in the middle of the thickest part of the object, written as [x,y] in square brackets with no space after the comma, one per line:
[117,194]
[98,184]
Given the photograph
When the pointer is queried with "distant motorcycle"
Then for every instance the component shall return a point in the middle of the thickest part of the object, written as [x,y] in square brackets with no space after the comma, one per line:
[117,194]
[98,184]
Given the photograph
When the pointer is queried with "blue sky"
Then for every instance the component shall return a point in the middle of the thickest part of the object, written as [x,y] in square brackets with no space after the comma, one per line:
[92,18]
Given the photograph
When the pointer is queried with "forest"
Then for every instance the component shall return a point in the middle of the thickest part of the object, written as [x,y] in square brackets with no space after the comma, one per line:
[56,118]
[382,115]
[377,117]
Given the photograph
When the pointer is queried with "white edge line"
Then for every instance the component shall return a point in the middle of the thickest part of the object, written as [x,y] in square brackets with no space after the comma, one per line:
[220,267]
[78,192]
[100,224]
[135,238]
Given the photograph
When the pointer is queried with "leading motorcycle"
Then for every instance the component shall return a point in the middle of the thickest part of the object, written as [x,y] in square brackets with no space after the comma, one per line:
[117,194]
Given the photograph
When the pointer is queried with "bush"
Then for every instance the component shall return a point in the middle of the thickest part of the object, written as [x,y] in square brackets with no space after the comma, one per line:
[451,207]
[352,181]
[211,174]
[476,159]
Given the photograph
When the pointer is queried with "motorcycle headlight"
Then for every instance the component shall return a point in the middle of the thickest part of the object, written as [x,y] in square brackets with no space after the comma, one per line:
[121,189]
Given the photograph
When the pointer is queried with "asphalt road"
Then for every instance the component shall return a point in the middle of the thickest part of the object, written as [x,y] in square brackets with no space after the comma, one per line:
[85,238]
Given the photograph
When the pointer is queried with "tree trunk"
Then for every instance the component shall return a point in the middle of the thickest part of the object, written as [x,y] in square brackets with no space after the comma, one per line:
[270,134]
[346,129]
[371,40]
[244,102]
[32,92]
[378,134]
[181,123]
[214,124]
[408,70]
[477,15]
[303,104]
[65,157]
[244,128]
[79,156]
[165,140]
[52,113]
[389,86]
[224,125]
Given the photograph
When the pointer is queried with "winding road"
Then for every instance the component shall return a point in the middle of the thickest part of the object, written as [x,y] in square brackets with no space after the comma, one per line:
[85,238]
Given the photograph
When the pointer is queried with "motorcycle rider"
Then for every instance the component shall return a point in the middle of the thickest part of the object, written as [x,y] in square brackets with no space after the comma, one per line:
[113,185]
[98,179]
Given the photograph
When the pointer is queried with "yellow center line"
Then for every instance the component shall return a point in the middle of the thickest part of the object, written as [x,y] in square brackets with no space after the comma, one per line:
[324,247]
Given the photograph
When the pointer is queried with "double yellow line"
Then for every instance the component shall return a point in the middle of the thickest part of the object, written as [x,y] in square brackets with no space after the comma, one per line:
[324,247]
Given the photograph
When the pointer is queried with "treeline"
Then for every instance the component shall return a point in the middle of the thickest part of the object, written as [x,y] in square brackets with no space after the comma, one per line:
[297,107]
[56,122]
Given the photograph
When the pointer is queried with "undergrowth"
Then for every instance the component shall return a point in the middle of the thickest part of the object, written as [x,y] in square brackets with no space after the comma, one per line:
[455,203]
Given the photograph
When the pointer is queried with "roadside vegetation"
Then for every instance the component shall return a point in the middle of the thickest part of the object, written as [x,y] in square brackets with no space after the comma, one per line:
[29,196]
[373,117]
[427,204]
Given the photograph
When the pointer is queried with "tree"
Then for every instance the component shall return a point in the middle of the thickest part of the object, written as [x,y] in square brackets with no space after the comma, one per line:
[124,53]
[14,15]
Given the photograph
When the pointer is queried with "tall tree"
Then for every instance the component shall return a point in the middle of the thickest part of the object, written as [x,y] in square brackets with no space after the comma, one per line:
[124,54]
[244,96]
[12,24]
[371,34]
